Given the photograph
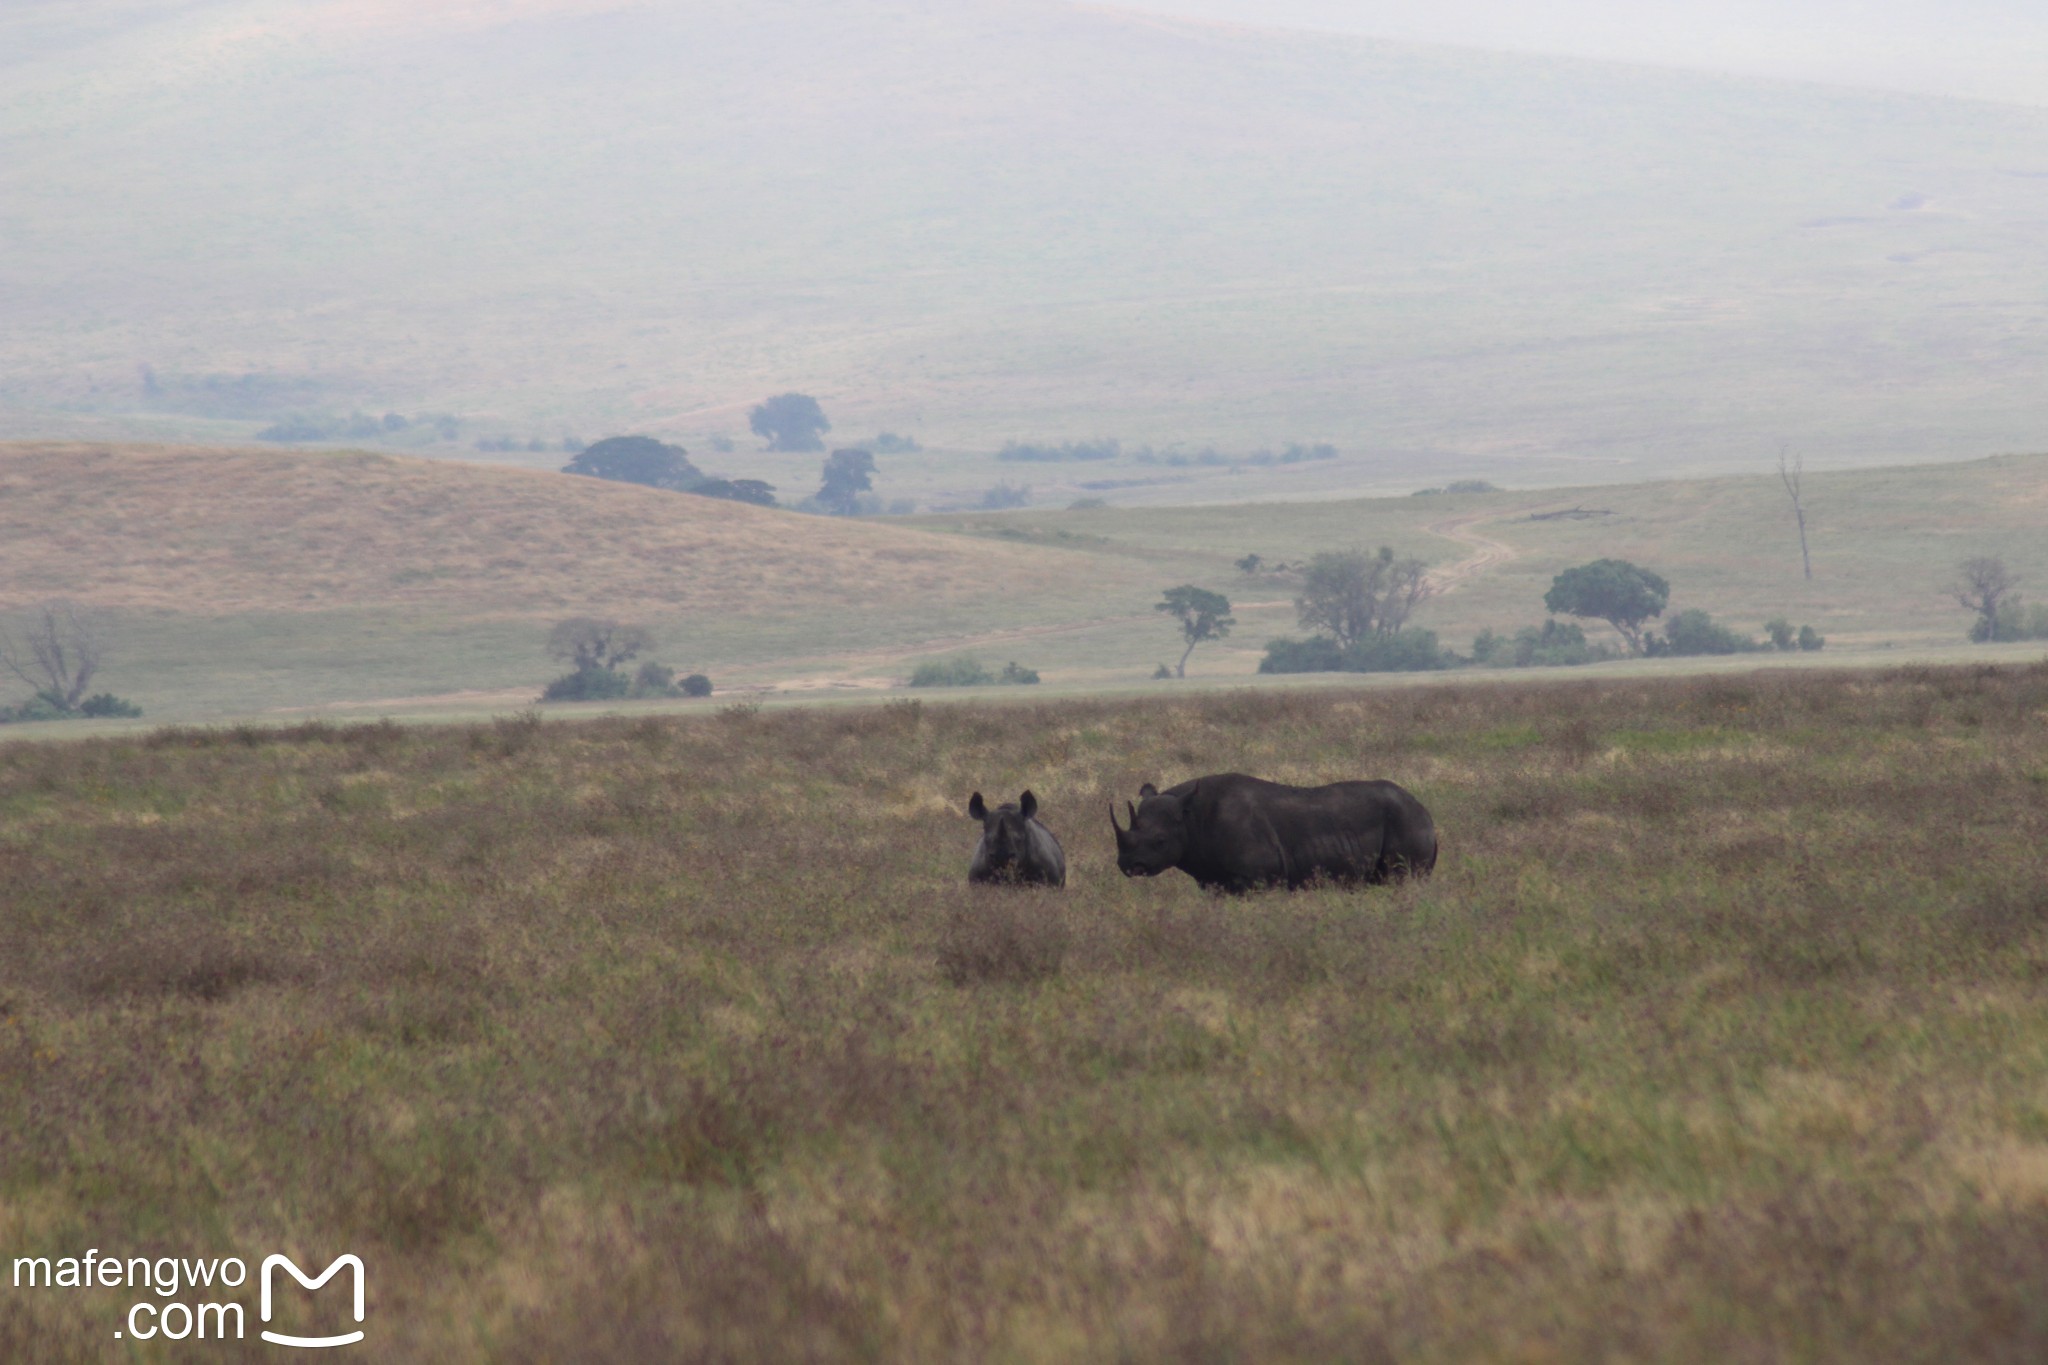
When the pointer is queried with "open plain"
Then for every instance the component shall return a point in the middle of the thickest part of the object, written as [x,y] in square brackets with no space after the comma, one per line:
[1719,1034]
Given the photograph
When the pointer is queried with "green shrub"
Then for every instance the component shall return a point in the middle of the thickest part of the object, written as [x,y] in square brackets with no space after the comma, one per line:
[966,671]
[963,671]
[1557,644]
[2016,621]
[42,706]
[1407,651]
[1781,633]
[696,685]
[1693,631]
[1317,654]
[654,680]
[1811,639]
[107,704]
[589,684]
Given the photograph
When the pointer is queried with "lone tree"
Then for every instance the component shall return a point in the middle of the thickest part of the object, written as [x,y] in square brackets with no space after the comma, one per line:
[1352,595]
[596,644]
[1610,590]
[1983,585]
[846,478]
[789,421]
[1792,475]
[58,654]
[1203,615]
[637,459]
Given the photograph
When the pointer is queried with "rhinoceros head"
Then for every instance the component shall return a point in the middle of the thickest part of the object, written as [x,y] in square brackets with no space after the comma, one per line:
[1004,837]
[1158,836]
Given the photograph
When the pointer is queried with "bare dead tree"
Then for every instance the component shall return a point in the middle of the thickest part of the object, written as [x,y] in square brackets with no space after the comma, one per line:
[1982,584]
[596,643]
[1352,594]
[1792,474]
[58,654]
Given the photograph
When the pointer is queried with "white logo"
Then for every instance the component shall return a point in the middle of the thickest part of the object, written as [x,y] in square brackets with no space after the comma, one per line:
[278,1338]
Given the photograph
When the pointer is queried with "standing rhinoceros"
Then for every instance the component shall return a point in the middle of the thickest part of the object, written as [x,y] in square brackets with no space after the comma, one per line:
[1233,833]
[1014,847]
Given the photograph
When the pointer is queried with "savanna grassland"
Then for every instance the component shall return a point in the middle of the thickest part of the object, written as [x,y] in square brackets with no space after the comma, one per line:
[1719,1034]
[248,583]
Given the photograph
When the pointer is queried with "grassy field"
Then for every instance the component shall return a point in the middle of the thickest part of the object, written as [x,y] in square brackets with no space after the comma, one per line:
[1720,1033]
[254,583]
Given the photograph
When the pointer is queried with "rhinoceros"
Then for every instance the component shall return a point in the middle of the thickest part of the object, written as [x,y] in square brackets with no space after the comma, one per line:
[1233,833]
[1014,847]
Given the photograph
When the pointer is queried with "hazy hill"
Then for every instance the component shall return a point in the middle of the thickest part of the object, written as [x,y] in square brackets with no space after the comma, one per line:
[992,220]
[230,532]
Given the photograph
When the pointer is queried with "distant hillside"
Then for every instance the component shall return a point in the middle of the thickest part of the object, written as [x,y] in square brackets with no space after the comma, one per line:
[993,220]
[230,532]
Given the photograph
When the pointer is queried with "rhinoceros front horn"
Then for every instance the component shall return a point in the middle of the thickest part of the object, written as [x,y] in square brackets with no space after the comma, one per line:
[1122,835]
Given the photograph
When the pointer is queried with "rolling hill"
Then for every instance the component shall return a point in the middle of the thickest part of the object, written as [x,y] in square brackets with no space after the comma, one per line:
[1007,219]
[247,582]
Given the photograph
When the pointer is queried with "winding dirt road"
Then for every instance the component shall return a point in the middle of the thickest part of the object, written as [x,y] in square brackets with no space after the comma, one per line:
[1488,552]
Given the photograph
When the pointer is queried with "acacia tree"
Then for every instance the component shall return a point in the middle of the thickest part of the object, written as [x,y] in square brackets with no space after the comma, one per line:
[1351,594]
[1610,590]
[1983,585]
[58,654]
[789,421]
[637,459]
[845,479]
[1203,615]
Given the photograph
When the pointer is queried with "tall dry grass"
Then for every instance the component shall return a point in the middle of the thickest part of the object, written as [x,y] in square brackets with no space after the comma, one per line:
[1720,1033]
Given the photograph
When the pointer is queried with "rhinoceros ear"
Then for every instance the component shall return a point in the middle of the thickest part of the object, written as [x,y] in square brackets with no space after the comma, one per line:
[1148,790]
[1028,804]
[976,808]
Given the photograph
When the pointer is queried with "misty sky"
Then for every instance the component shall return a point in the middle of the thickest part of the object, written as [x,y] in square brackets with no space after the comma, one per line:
[1981,49]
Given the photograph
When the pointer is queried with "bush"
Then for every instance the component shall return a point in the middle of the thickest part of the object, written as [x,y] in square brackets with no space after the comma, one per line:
[107,704]
[964,671]
[1005,495]
[1693,631]
[1407,651]
[2016,621]
[654,680]
[1781,633]
[1161,673]
[589,684]
[696,685]
[1811,639]
[1558,644]
[42,706]
[1317,654]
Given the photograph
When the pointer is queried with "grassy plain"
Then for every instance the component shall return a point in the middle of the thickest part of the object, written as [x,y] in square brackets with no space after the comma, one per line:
[1720,1033]
[244,583]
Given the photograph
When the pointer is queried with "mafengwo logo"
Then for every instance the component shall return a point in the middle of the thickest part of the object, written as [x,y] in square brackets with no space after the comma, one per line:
[350,1262]
[170,1318]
